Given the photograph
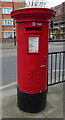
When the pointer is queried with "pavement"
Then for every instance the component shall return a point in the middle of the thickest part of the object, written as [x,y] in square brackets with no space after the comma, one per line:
[12,46]
[8,101]
[7,46]
[54,108]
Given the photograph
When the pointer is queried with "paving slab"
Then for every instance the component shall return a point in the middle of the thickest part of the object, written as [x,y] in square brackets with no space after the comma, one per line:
[55,98]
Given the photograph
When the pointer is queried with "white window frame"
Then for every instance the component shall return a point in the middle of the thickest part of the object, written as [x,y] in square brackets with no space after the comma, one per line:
[6,0]
[7,22]
[4,11]
[5,34]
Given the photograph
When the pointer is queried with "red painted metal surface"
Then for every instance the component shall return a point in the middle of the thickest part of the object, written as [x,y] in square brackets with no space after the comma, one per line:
[32,66]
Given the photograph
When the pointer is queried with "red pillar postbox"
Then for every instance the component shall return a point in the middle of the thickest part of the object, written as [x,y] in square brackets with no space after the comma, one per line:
[32,27]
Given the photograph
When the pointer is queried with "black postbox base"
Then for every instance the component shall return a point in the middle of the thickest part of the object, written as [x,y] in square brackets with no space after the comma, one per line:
[30,102]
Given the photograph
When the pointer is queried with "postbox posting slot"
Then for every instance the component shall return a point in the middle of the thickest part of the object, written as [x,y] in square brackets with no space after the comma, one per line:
[33,28]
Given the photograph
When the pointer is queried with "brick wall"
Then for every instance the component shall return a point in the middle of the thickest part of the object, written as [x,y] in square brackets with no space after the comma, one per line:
[6,4]
[7,28]
[18,5]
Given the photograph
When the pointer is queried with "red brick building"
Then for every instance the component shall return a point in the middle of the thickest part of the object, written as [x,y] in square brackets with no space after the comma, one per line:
[59,22]
[7,25]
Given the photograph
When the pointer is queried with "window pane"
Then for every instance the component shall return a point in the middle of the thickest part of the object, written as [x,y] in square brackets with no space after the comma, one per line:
[7,22]
[2,22]
[6,10]
[59,11]
[7,34]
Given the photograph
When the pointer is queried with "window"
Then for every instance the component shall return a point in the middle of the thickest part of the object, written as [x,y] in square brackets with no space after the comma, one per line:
[6,34]
[59,11]
[64,29]
[6,0]
[55,23]
[6,10]
[7,22]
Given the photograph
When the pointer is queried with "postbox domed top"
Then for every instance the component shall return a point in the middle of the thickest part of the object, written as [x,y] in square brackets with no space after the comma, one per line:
[31,14]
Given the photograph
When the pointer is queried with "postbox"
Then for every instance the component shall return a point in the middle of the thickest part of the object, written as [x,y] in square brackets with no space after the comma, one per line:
[32,30]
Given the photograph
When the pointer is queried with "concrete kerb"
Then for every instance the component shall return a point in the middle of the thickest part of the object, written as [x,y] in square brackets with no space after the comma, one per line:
[12,46]
[54,107]
[57,43]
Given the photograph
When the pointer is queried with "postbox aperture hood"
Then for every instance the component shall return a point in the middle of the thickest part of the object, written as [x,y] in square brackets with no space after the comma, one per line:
[31,14]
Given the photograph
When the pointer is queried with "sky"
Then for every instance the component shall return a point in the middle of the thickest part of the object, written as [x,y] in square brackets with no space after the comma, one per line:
[51,3]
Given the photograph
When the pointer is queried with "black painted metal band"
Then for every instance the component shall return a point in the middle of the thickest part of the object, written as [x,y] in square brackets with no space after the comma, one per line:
[32,103]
